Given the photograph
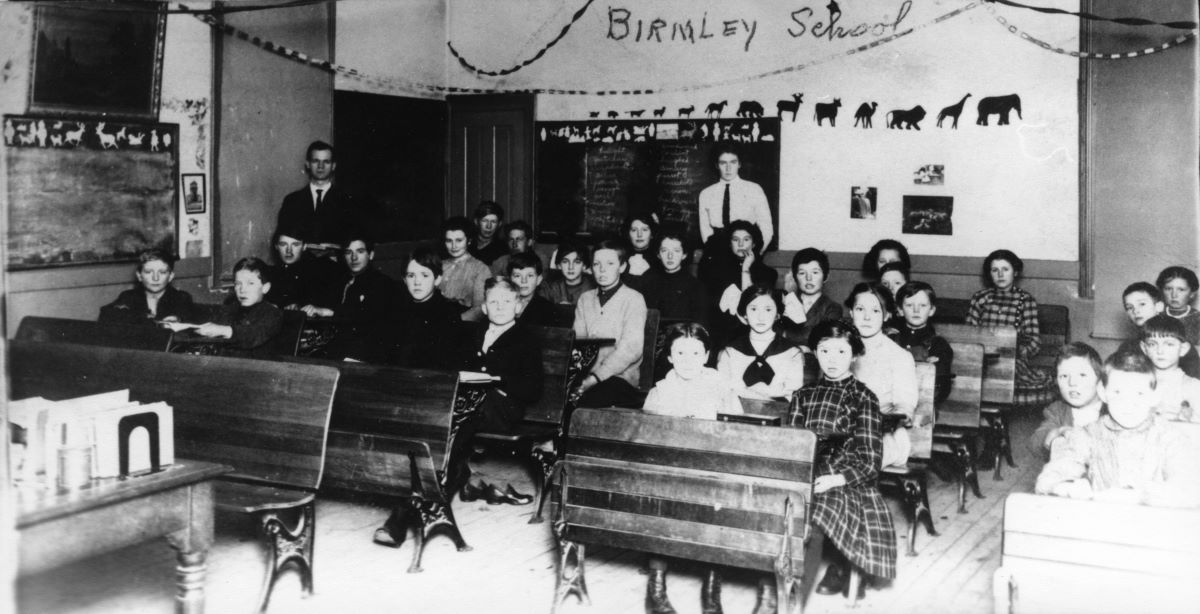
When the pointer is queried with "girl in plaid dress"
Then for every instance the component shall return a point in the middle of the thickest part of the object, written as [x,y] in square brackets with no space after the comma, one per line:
[1002,303]
[847,505]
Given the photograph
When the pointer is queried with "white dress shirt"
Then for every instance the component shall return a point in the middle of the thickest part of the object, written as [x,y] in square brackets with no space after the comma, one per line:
[747,201]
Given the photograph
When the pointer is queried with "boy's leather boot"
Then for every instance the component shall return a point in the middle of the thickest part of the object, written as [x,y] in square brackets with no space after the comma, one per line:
[656,593]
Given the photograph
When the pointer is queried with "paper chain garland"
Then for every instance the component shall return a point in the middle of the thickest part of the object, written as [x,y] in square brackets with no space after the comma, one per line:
[1088,55]
[413,86]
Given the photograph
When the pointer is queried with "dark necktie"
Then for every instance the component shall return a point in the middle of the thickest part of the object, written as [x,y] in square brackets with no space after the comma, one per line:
[317,205]
[758,371]
[725,208]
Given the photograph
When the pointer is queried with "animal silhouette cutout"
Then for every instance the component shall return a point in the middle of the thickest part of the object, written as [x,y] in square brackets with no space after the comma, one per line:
[749,108]
[952,111]
[26,138]
[121,136]
[73,137]
[594,114]
[686,111]
[827,110]
[637,113]
[659,111]
[909,120]
[107,141]
[864,114]
[792,106]
[998,105]
[613,115]
[136,139]
[715,108]
[56,140]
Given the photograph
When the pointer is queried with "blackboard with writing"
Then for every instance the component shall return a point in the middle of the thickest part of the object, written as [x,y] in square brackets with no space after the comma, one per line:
[592,175]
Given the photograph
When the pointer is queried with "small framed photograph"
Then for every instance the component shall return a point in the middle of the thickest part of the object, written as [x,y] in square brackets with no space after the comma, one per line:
[863,202]
[195,199]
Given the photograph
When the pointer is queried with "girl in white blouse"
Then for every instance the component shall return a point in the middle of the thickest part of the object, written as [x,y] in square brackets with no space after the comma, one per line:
[886,368]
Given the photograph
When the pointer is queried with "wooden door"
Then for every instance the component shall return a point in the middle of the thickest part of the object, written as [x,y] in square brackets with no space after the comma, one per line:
[491,154]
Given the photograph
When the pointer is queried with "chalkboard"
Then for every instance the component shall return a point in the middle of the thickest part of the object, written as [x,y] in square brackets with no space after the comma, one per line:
[84,192]
[592,175]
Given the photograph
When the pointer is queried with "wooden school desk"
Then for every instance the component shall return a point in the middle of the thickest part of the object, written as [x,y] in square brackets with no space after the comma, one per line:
[175,503]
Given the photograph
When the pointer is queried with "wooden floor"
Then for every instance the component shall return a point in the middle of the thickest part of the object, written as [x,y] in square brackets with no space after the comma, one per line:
[511,567]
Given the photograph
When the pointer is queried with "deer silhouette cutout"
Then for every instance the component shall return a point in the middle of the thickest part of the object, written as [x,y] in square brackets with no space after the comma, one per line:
[793,106]
[827,110]
[74,137]
[686,111]
[716,108]
[864,114]
[659,111]
[107,141]
[952,111]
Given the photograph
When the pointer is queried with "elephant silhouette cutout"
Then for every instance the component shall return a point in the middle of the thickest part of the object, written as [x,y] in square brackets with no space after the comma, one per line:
[827,110]
[715,108]
[998,105]
[749,108]
[906,119]
[952,111]
[793,106]
[864,114]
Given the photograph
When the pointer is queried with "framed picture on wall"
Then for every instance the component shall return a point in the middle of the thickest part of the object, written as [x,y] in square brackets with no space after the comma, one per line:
[98,62]
[195,199]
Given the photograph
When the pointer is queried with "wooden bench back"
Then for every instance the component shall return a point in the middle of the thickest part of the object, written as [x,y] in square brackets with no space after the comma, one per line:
[999,357]
[87,332]
[266,419]
[649,341]
[961,407]
[556,344]
[921,431]
[1069,555]
[696,489]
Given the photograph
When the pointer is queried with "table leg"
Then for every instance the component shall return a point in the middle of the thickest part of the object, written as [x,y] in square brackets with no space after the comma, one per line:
[190,570]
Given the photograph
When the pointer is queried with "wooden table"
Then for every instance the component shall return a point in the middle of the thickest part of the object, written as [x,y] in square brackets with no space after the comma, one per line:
[175,503]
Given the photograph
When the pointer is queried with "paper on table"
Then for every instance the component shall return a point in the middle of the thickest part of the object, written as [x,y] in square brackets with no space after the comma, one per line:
[792,309]
[476,376]
[178,326]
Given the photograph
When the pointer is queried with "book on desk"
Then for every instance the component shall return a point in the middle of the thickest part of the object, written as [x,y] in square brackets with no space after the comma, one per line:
[105,435]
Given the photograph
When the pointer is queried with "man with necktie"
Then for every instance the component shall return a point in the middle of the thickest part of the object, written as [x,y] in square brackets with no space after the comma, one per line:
[321,211]
[733,198]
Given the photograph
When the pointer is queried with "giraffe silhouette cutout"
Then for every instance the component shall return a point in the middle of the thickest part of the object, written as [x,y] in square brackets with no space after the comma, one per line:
[952,111]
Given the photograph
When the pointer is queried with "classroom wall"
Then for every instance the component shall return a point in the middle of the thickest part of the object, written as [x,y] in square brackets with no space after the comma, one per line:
[79,291]
[1141,137]
[401,42]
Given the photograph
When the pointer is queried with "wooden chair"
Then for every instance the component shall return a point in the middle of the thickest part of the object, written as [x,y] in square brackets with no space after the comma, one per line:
[912,479]
[87,332]
[720,493]
[1064,555]
[999,378]
[392,434]
[268,420]
[649,347]
[957,419]
[545,420]
[1054,325]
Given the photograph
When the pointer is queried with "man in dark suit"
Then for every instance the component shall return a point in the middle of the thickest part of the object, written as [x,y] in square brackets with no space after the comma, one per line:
[321,211]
